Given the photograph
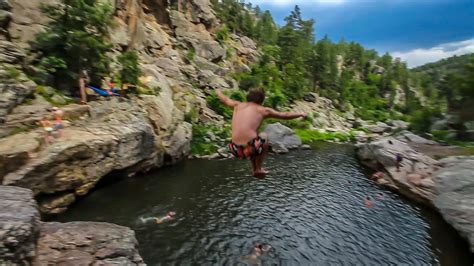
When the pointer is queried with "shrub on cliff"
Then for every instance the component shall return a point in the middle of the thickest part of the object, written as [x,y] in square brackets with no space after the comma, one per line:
[130,70]
[75,40]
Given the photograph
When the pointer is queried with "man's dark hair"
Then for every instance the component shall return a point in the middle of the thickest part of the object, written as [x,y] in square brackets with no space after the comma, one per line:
[256,96]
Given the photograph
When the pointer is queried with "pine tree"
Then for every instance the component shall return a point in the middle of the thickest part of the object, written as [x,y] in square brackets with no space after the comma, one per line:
[75,40]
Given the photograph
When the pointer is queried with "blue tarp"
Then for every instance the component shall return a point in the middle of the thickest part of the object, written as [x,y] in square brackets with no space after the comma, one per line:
[104,93]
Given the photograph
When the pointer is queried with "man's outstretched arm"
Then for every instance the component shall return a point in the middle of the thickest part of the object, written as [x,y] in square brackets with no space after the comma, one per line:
[271,113]
[226,100]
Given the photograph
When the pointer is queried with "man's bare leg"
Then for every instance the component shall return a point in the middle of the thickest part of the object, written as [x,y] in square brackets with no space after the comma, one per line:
[253,162]
[260,172]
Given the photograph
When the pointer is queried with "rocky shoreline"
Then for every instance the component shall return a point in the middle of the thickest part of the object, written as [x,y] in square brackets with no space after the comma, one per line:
[445,185]
[25,240]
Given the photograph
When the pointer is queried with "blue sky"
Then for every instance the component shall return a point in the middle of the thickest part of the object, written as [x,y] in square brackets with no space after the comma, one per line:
[418,31]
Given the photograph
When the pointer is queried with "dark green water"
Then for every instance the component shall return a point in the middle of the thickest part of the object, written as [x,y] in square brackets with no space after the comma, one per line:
[310,209]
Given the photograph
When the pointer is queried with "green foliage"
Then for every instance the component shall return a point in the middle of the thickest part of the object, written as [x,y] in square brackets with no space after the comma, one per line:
[190,54]
[293,63]
[192,116]
[130,70]
[202,144]
[229,52]
[422,119]
[222,35]
[216,105]
[308,136]
[75,40]
[52,64]
[13,73]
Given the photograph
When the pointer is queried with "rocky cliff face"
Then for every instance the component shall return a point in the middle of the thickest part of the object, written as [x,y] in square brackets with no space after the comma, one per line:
[123,134]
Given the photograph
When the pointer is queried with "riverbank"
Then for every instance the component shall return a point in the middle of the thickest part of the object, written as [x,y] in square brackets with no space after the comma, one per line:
[444,184]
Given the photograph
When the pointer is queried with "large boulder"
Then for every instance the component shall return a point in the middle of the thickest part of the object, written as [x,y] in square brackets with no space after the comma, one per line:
[282,138]
[87,243]
[413,179]
[407,136]
[19,226]
[455,198]
[203,12]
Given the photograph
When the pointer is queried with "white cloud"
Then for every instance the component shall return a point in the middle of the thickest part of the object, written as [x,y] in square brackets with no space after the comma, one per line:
[296,2]
[418,57]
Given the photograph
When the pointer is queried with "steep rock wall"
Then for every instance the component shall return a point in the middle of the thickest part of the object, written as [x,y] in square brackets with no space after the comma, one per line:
[131,134]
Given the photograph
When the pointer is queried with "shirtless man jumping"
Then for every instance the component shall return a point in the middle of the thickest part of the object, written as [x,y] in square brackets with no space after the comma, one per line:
[246,120]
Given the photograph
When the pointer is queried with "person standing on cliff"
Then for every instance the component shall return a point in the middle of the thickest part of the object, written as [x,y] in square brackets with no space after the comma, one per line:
[83,80]
[398,161]
[246,120]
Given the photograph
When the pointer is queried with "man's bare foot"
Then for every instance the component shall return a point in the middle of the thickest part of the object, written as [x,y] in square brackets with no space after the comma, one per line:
[260,173]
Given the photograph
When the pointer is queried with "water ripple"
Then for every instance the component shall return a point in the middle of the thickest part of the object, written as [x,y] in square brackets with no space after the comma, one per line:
[310,209]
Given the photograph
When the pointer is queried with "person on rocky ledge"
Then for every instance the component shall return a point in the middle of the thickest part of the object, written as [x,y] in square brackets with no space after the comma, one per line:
[246,120]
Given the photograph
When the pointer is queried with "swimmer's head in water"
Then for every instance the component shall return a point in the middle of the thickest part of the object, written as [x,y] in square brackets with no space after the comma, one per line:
[367,198]
[171,213]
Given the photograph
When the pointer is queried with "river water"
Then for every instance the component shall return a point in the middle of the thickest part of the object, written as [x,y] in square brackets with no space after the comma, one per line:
[310,209]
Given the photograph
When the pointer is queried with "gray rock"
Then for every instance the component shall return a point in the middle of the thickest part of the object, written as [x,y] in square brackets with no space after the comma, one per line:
[247,43]
[202,9]
[455,198]
[19,225]
[310,97]
[5,18]
[440,125]
[5,5]
[58,99]
[410,137]
[11,54]
[383,153]
[210,50]
[12,95]
[375,129]
[87,243]
[399,124]
[27,20]
[282,138]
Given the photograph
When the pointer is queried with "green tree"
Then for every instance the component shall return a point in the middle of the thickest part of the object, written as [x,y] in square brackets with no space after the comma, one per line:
[75,40]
